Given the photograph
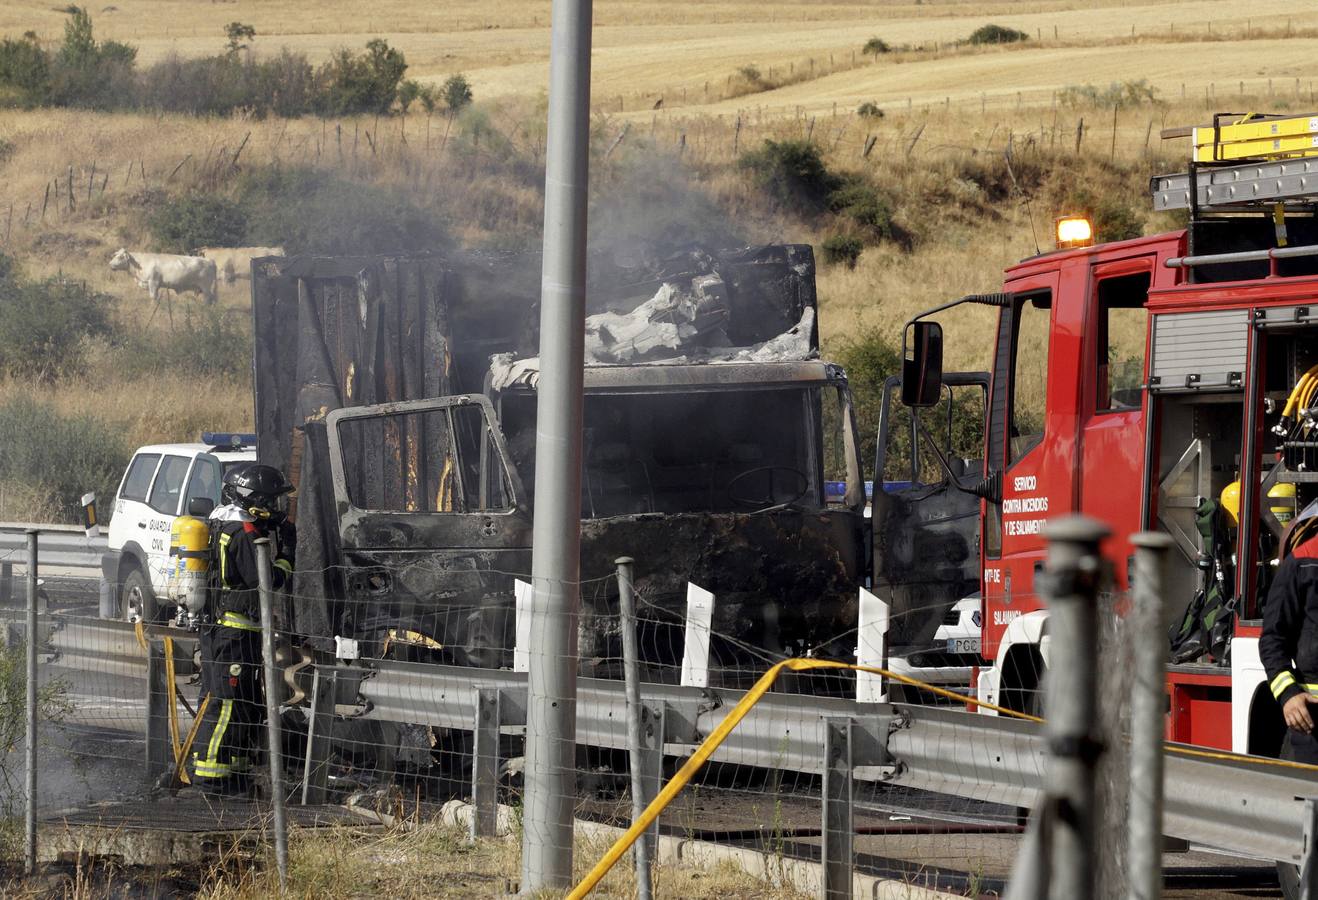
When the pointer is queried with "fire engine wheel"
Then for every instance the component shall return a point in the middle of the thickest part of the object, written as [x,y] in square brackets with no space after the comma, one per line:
[768,499]
[137,602]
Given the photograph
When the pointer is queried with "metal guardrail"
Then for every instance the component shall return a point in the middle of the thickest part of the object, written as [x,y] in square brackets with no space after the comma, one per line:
[1237,806]
[64,546]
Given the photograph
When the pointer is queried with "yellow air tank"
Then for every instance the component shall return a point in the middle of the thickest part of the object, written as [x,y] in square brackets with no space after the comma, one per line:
[189,547]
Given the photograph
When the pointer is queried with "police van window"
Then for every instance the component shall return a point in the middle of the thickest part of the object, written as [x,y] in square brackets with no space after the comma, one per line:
[205,480]
[138,480]
[168,487]
[1122,325]
[1029,378]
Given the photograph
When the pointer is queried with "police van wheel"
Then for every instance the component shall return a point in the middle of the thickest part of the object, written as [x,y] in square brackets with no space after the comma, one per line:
[137,602]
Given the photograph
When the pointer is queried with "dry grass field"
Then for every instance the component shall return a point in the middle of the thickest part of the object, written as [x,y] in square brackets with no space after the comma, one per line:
[950,110]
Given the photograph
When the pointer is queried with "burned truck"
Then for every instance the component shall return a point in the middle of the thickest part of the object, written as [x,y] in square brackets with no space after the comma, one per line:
[400,396]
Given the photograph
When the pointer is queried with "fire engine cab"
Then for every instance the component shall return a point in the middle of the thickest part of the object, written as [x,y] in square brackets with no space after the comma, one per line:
[1164,382]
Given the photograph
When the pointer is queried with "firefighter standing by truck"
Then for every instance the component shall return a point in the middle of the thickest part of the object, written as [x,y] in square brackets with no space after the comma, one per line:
[1288,646]
[231,631]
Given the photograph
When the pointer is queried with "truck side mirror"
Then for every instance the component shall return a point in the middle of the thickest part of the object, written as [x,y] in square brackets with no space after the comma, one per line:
[201,507]
[922,364]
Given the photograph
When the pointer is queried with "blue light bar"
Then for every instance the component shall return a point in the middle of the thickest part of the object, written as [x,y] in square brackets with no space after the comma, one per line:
[836,490]
[235,440]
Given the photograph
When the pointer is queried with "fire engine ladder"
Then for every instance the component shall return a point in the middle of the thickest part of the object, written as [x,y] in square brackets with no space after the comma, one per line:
[1244,162]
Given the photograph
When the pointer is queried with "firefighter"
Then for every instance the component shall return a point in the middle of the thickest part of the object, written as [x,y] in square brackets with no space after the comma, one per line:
[1288,645]
[231,633]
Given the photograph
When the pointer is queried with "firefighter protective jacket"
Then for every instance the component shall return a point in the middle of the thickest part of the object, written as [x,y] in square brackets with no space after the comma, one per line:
[1288,646]
[235,534]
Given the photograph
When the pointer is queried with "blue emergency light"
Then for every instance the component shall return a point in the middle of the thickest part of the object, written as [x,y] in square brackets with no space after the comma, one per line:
[228,440]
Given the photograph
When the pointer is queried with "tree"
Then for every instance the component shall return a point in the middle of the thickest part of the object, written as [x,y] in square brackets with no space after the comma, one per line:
[456,93]
[874,46]
[240,36]
[408,93]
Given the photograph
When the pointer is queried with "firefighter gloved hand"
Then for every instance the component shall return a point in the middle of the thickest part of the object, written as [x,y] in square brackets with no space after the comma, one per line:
[1296,712]
[287,539]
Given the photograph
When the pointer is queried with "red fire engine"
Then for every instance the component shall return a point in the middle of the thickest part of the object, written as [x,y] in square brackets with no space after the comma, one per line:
[1164,382]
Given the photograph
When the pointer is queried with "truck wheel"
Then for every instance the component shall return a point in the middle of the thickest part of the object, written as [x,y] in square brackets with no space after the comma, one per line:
[136,599]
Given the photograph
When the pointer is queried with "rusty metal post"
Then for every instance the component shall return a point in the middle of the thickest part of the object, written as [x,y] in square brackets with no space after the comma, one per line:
[631,664]
[30,755]
[272,730]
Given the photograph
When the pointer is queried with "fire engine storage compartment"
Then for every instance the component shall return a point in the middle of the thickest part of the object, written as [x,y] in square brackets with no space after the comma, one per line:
[690,352]
[1223,361]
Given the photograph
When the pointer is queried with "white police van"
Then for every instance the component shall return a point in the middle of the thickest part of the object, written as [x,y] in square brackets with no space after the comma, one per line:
[158,486]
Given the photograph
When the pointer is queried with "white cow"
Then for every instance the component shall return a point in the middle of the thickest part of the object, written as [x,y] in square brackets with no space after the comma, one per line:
[236,262]
[154,271]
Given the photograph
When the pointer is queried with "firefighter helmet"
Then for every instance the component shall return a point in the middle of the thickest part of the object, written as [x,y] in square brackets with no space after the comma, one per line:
[255,488]
[1281,498]
[1230,501]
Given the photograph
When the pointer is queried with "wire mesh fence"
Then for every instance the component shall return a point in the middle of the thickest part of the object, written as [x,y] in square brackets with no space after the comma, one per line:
[811,789]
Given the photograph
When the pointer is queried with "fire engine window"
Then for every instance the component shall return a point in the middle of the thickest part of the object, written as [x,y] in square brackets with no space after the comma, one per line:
[138,480]
[1029,379]
[426,462]
[1122,325]
[168,486]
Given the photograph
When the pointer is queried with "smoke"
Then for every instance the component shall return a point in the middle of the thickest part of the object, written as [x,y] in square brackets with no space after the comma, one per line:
[645,206]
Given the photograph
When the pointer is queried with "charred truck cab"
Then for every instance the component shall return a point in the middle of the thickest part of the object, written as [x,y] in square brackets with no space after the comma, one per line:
[1152,384]
[401,395]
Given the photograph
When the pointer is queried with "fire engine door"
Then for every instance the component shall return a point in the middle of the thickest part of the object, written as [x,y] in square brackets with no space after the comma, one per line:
[1111,446]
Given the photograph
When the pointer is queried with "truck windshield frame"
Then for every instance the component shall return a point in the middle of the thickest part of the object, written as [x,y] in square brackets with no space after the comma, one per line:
[657,471]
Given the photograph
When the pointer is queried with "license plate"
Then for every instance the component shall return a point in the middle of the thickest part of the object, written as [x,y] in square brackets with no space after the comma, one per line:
[963,645]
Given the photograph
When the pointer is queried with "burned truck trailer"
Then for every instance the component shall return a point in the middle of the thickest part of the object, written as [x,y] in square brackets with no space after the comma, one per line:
[400,395]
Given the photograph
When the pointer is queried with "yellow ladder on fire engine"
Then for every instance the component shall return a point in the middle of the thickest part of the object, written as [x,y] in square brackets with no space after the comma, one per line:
[1255,137]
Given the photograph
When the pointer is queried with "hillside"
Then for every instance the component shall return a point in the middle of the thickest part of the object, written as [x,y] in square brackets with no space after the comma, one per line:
[969,154]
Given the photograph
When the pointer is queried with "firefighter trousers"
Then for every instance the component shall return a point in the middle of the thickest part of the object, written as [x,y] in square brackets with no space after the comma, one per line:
[230,727]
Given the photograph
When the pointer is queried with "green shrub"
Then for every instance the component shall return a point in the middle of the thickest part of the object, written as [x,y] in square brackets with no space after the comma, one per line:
[282,85]
[869,358]
[45,325]
[24,72]
[874,46]
[360,83]
[456,93]
[91,75]
[792,172]
[862,203]
[869,110]
[182,224]
[844,249]
[1113,218]
[1118,93]
[996,34]
[65,455]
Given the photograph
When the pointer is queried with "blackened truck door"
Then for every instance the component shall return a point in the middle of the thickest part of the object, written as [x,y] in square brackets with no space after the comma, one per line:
[1111,450]
[1031,438]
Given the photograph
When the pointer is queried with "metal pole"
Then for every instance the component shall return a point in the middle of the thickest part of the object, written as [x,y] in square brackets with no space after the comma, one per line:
[30,760]
[1071,584]
[1144,846]
[272,707]
[631,660]
[556,540]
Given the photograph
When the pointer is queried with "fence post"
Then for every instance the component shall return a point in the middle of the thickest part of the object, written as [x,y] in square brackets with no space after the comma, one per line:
[523,595]
[632,681]
[1070,582]
[1146,717]
[837,825]
[6,583]
[159,753]
[277,797]
[485,764]
[30,756]
[1309,866]
[315,768]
